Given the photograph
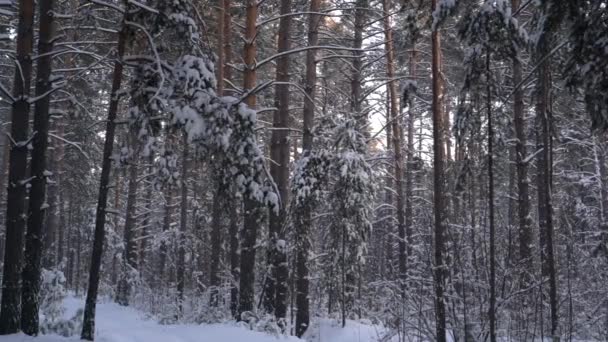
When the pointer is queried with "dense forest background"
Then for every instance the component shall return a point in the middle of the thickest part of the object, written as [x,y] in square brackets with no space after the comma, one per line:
[437,167]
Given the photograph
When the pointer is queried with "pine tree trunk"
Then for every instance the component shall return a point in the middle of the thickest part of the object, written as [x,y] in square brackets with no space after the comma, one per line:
[303,225]
[162,272]
[409,172]
[397,148]
[252,212]
[37,207]
[88,327]
[276,291]
[10,310]
[130,257]
[439,202]
[183,222]
[544,166]
[216,243]
[356,76]
[492,313]
[147,222]
[234,257]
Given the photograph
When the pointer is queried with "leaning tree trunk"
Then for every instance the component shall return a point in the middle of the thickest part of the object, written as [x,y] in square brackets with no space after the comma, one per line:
[397,150]
[252,212]
[438,185]
[88,325]
[10,310]
[303,225]
[37,207]
[276,291]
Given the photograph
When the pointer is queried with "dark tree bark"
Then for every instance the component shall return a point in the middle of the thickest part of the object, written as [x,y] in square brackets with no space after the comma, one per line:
[216,243]
[409,172]
[183,222]
[303,225]
[234,256]
[253,217]
[545,170]
[439,202]
[523,197]
[147,221]
[130,257]
[10,310]
[252,211]
[88,326]
[276,291]
[492,309]
[37,207]
[162,272]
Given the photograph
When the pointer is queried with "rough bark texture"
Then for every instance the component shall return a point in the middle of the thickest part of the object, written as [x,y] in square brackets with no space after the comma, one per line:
[544,178]
[234,257]
[276,291]
[88,327]
[492,313]
[302,227]
[37,207]
[397,148]
[438,186]
[216,244]
[10,311]
[252,212]
[183,223]
[409,171]
[130,257]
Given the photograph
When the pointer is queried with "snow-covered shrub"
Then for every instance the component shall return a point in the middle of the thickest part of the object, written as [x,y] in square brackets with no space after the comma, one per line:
[53,294]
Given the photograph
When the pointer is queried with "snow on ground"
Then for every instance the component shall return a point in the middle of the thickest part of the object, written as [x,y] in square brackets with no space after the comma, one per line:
[115,323]
[122,324]
[327,330]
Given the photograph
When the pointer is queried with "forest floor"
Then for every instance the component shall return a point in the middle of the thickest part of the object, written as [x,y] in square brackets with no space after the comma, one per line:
[115,323]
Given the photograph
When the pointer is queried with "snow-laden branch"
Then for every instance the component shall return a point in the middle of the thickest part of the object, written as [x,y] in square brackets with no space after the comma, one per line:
[306,48]
[109,5]
[142,6]
[6,93]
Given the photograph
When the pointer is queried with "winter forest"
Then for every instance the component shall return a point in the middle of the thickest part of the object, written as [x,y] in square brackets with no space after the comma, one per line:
[304,170]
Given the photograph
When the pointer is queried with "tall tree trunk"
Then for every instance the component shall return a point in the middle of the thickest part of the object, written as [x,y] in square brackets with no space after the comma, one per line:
[10,310]
[357,72]
[183,222]
[302,227]
[544,144]
[162,272]
[276,292]
[216,243]
[234,256]
[397,150]
[492,309]
[223,73]
[439,185]
[88,326]
[409,175]
[147,222]
[38,205]
[252,211]
[525,234]
[130,257]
